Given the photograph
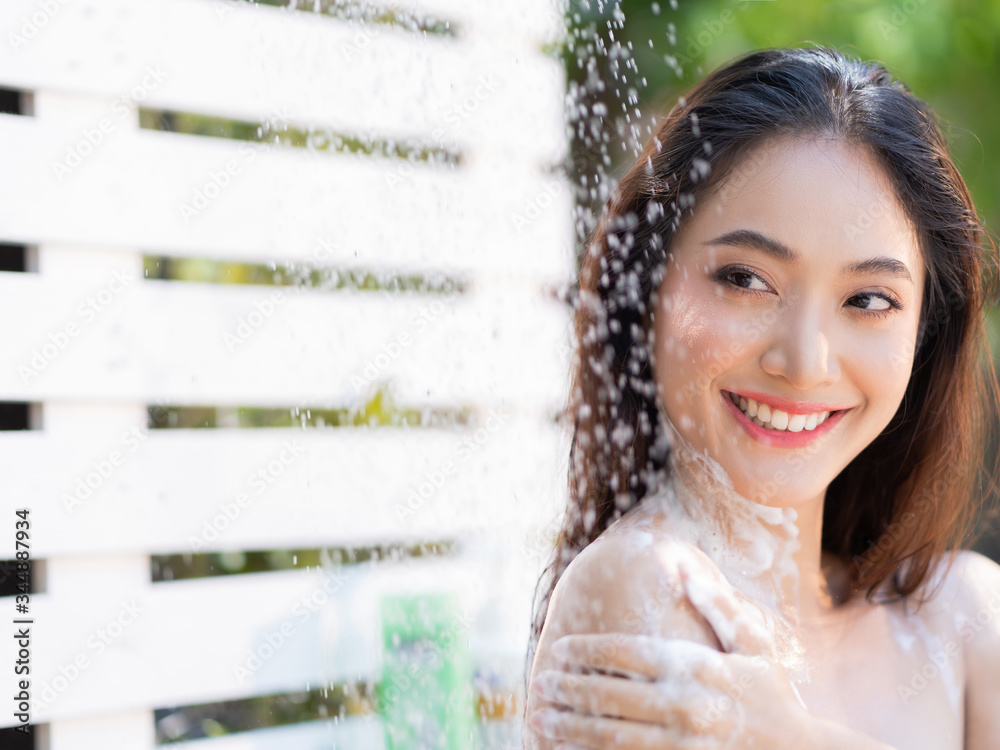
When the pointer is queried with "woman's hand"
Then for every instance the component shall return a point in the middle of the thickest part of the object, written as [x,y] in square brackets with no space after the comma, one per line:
[634,691]
[679,694]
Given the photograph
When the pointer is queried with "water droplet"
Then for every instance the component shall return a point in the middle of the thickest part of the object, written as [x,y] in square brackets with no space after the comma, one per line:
[700,169]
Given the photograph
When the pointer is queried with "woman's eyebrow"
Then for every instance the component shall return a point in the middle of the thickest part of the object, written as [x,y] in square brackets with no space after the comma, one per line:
[758,241]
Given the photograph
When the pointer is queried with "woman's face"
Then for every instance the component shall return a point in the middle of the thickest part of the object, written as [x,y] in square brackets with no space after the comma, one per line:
[797,283]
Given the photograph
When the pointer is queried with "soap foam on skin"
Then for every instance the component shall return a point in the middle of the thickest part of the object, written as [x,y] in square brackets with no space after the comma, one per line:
[751,544]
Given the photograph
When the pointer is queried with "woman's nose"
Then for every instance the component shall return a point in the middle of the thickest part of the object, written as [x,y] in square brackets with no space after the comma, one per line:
[798,349]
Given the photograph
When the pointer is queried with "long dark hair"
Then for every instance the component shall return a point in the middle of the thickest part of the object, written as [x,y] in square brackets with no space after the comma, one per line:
[912,493]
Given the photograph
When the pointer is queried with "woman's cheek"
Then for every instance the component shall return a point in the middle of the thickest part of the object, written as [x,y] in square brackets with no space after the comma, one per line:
[704,337]
[721,345]
[900,354]
[707,358]
[880,368]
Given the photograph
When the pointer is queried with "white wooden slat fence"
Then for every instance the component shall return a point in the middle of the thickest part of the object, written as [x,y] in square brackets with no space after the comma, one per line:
[96,344]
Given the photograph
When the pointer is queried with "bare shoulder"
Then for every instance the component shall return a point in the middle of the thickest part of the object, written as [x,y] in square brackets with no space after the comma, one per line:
[965,585]
[626,581]
[958,588]
[973,585]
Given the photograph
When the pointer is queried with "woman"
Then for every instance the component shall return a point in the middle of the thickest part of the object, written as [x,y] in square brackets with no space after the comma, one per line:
[778,407]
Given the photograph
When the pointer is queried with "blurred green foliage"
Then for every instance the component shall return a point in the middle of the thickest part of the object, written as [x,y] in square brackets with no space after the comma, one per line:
[325,278]
[183,723]
[278,132]
[379,409]
[237,562]
[353,10]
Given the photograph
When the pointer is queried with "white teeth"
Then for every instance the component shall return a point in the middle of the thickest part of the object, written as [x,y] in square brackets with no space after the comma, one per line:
[763,416]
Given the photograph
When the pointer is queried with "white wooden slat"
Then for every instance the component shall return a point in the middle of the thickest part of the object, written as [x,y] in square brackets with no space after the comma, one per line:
[129,339]
[212,639]
[340,734]
[159,192]
[134,730]
[177,491]
[258,63]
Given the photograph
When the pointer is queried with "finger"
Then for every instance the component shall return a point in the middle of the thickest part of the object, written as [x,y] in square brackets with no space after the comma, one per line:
[644,658]
[613,697]
[628,655]
[614,733]
[738,626]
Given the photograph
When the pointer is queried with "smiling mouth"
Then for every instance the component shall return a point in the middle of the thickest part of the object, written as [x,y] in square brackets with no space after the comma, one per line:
[771,418]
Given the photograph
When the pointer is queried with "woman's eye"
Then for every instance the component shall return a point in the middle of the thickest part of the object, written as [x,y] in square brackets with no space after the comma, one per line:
[746,280]
[873,302]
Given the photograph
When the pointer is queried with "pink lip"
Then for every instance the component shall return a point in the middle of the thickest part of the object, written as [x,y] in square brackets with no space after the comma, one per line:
[789,405]
[781,438]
